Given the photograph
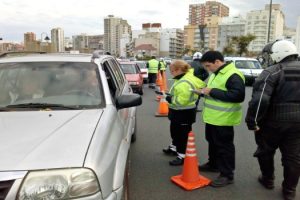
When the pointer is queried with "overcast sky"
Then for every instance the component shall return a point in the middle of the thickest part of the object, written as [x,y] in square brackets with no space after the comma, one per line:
[76,17]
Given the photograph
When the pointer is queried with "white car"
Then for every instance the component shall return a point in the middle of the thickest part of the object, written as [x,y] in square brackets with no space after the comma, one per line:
[143,67]
[66,124]
[250,67]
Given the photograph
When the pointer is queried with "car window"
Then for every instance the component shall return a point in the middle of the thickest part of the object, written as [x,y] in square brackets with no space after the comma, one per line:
[114,88]
[65,83]
[142,65]
[247,64]
[118,73]
[129,68]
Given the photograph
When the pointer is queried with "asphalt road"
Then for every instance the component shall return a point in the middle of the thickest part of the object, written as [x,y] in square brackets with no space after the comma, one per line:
[150,172]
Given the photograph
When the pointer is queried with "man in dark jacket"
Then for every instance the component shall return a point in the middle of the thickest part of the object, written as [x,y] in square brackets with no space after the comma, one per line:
[274,116]
[222,110]
[199,70]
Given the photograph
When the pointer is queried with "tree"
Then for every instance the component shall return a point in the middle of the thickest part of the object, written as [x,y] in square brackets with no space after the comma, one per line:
[242,42]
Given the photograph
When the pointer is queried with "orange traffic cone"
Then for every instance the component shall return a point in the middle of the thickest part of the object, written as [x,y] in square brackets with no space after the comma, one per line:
[163,108]
[165,84]
[159,79]
[190,178]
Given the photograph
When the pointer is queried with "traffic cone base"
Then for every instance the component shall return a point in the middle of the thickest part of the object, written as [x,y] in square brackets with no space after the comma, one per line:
[190,178]
[201,182]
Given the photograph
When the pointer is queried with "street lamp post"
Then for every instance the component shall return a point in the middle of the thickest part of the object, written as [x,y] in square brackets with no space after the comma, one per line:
[46,38]
[269,28]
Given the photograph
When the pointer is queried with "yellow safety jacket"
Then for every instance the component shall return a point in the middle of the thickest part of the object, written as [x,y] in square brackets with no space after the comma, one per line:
[182,97]
[217,112]
[153,66]
[162,66]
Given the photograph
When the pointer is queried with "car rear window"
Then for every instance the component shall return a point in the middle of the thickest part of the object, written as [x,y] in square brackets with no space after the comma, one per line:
[129,68]
[72,84]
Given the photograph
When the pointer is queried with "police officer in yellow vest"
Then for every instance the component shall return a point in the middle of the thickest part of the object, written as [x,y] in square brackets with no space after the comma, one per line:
[153,66]
[182,108]
[222,110]
[163,65]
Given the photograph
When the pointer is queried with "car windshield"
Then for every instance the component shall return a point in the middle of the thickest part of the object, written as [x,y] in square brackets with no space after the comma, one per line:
[142,65]
[129,68]
[247,64]
[53,85]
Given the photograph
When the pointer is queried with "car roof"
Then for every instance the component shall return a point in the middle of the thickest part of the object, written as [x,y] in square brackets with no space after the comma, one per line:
[127,62]
[51,57]
[239,58]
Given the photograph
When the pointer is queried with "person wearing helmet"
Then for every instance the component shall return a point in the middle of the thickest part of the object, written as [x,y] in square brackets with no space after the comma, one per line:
[199,70]
[274,116]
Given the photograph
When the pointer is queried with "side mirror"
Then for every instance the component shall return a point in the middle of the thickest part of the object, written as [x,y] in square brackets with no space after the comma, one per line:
[128,100]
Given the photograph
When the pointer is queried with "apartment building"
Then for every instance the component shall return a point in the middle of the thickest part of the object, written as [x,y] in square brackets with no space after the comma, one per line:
[258,25]
[228,28]
[114,29]
[57,40]
[171,42]
[198,12]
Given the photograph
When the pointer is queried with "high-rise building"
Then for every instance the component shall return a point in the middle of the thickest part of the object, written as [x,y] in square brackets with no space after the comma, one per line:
[80,42]
[229,27]
[57,40]
[114,30]
[298,35]
[198,12]
[30,43]
[258,25]
[171,42]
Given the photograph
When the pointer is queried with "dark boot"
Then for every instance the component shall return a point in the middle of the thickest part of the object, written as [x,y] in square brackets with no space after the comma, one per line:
[266,182]
[290,182]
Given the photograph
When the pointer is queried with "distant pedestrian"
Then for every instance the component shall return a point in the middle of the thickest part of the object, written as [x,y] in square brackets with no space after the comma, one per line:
[163,66]
[153,67]
[181,108]
[274,116]
[222,110]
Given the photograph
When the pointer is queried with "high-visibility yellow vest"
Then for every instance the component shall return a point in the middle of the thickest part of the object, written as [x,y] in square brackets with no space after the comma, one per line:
[162,66]
[182,97]
[217,112]
[153,66]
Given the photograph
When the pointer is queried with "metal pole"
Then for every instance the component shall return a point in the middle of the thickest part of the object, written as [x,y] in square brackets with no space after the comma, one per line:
[270,15]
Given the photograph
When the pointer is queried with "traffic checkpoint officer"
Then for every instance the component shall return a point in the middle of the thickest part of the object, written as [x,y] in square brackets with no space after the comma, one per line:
[163,65]
[222,110]
[182,108]
[153,66]
[274,116]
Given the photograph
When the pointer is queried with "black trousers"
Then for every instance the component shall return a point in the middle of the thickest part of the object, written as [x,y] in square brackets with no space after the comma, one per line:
[286,137]
[221,150]
[179,135]
[152,79]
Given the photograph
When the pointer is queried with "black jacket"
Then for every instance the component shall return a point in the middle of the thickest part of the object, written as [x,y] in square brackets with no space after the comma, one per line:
[276,95]
[235,89]
[199,70]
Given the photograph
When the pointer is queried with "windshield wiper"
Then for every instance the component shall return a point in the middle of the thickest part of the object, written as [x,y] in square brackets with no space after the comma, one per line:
[41,105]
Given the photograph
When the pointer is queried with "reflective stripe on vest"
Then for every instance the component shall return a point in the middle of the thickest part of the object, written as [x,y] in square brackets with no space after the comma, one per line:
[217,112]
[177,105]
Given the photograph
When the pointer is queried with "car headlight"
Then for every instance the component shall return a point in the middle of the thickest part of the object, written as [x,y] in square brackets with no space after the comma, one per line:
[58,184]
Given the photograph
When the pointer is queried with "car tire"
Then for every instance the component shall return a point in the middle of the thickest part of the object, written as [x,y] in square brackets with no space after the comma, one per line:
[125,195]
[141,92]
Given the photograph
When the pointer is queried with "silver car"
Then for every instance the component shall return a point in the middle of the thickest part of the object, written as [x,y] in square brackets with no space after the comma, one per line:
[66,124]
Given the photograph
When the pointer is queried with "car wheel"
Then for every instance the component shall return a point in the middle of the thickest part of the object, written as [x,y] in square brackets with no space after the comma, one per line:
[125,195]
[133,136]
[141,92]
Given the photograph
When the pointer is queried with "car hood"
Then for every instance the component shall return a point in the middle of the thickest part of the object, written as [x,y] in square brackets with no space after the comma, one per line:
[132,77]
[51,139]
